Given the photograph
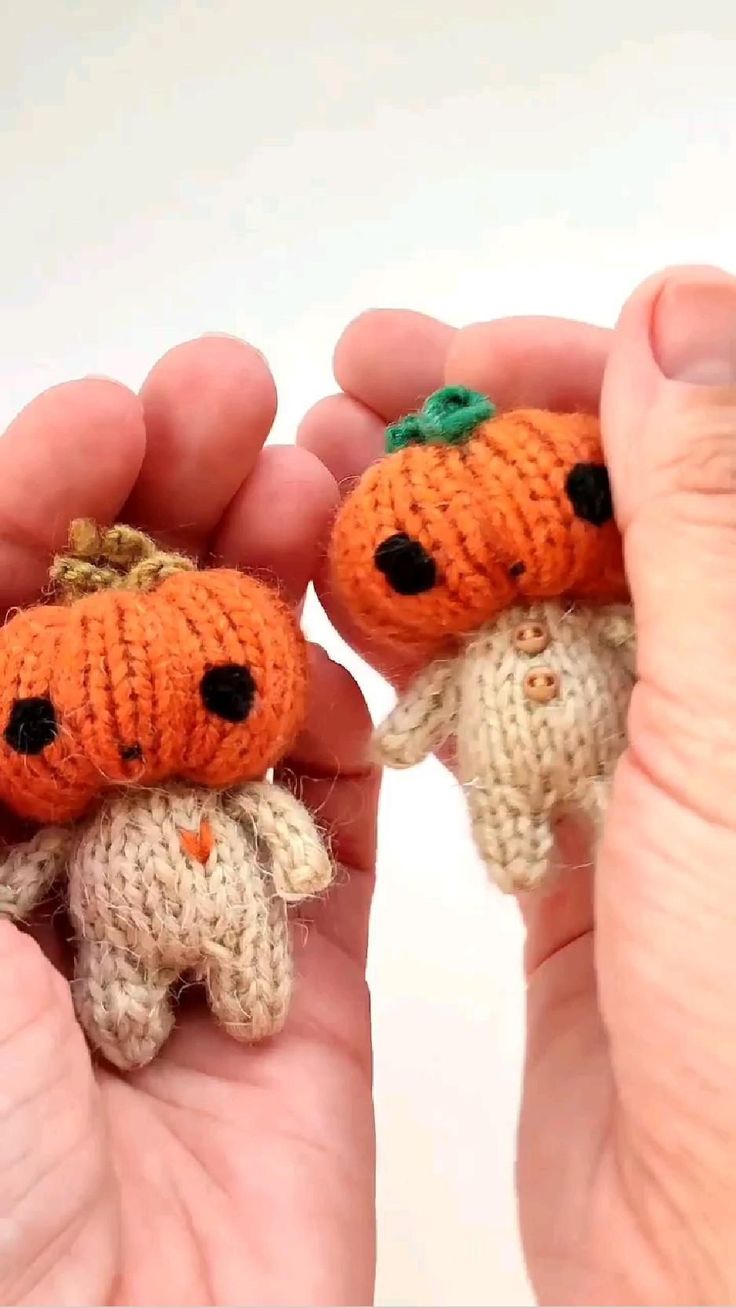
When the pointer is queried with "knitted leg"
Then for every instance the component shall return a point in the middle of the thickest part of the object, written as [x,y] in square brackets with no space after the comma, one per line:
[249,991]
[514,842]
[123,1006]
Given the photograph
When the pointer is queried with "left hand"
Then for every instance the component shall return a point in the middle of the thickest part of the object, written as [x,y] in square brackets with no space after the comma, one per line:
[219,1173]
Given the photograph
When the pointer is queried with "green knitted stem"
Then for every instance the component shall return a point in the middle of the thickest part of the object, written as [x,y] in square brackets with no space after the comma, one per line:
[408,431]
[451,415]
[448,417]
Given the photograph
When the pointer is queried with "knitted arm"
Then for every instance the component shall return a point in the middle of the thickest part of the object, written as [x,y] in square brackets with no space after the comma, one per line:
[423,718]
[617,630]
[298,860]
[27,870]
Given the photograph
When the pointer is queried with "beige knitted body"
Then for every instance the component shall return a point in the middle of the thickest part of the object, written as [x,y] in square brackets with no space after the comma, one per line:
[537,704]
[173,881]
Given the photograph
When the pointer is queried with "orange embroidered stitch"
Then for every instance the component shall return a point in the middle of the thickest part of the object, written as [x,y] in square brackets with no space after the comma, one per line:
[198,844]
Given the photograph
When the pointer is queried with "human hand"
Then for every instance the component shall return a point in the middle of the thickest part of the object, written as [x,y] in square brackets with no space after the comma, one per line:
[219,1173]
[627,1148]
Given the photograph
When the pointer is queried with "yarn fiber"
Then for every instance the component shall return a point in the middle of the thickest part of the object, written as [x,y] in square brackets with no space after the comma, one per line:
[171,882]
[149,906]
[106,558]
[536,702]
[164,696]
[485,545]
[459,522]
[202,678]
[448,417]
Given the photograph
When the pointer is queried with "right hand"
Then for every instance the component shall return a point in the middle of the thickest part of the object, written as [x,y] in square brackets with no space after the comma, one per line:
[627,1153]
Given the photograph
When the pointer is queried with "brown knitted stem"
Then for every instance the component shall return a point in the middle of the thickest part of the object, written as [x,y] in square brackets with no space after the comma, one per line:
[111,558]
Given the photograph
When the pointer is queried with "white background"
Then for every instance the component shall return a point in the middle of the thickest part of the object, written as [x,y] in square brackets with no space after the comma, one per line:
[171,167]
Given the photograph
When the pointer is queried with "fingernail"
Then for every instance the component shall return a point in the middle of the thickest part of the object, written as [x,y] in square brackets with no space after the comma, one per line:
[694,330]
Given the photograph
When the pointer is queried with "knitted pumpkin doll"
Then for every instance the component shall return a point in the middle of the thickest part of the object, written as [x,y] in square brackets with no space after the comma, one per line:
[140,715]
[484,547]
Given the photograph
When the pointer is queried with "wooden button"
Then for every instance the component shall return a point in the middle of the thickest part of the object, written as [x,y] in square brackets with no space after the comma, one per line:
[531,637]
[541,685]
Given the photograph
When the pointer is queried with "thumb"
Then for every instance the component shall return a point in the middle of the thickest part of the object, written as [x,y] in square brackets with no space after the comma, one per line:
[669,421]
[666,885]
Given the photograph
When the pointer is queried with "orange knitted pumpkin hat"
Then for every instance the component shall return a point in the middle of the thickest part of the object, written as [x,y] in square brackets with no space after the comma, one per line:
[160,672]
[471,512]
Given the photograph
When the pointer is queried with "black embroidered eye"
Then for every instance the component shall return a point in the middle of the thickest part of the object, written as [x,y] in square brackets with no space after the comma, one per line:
[517,569]
[406,565]
[228,691]
[32,725]
[131,753]
[589,491]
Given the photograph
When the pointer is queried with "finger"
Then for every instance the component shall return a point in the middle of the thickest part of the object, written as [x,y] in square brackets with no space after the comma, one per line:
[209,405]
[559,915]
[329,770]
[540,363]
[392,359]
[394,664]
[666,908]
[670,437]
[345,435]
[534,362]
[75,451]
[278,522]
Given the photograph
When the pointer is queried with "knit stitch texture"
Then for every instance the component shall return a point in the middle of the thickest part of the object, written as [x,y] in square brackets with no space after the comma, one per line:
[498,517]
[149,710]
[484,546]
[536,705]
[125,675]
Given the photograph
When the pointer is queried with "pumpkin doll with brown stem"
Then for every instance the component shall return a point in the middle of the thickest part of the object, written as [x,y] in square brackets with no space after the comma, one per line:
[140,715]
[484,547]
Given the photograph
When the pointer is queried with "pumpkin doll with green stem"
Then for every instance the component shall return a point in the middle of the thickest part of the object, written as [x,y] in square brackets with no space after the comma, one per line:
[484,545]
[139,715]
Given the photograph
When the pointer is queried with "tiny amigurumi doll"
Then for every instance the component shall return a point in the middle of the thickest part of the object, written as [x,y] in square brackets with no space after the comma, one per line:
[140,716]
[484,547]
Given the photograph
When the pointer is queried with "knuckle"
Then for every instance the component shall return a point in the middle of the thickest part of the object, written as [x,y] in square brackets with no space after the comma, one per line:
[699,456]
